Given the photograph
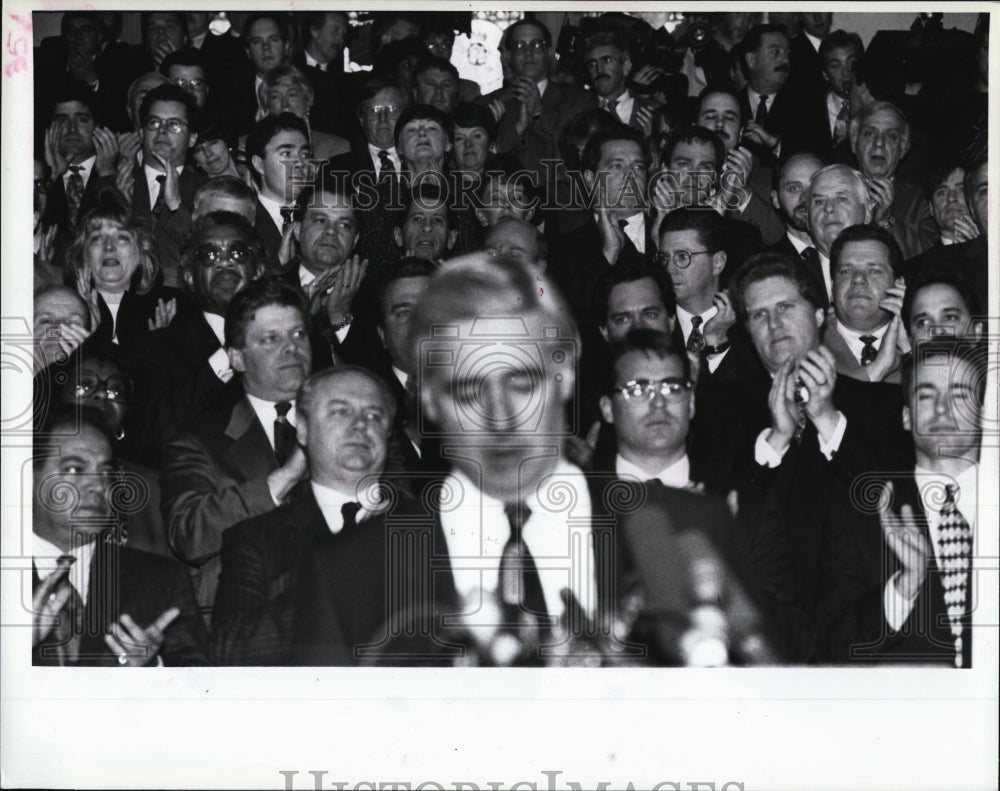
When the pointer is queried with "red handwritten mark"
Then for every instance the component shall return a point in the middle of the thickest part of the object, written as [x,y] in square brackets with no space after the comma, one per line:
[24,22]
[18,48]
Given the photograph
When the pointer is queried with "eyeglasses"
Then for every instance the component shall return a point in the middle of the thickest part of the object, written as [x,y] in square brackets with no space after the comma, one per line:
[681,259]
[604,60]
[536,45]
[211,254]
[116,387]
[173,125]
[670,389]
[196,84]
[390,110]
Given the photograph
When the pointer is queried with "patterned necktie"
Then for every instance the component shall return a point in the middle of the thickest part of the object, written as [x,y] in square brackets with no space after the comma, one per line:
[160,202]
[696,341]
[385,167]
[349,512]
[611,105]
[74,193]
[761,115]
[841,122]
[287,213]
[284,433]
[869,351]
[955,560]
[520,585]
[66,634]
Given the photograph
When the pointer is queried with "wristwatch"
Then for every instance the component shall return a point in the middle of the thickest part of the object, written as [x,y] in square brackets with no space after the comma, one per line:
[711,351]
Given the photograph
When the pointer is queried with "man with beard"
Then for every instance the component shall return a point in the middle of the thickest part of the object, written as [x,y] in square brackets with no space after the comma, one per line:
[789,197]
[184,367]
[240,459]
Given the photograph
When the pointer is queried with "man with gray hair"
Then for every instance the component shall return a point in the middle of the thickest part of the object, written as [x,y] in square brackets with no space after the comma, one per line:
[880,138]
[837,199]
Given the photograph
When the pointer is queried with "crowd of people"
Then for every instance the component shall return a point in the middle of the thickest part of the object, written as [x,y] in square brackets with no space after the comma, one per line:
[625,362]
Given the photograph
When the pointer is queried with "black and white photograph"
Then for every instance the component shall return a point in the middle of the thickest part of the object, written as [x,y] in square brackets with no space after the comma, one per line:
[440,396]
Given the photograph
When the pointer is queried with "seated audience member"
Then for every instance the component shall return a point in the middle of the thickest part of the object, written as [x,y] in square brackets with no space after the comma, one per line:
[278,155]
[475,138]
[380,103]
[438,36]
[608,63]
[240,460]
[880,138]
[47,271]
[692,163]
[98,382]
[161,190]
[185,68]
[137,91]
[906,593]
[435,82]
[287,90]
[969,257]
[77,557]
[183,369]
[945,191]
[163,33]
[266,36]
[62,322]
[502,195]
[789,196]
[519,240]
[940,303]
[213,153]
[837,199]
[840,53]
[345,417]
[324,35]
[866,334]
[113,262]
[226,194]
[428,227]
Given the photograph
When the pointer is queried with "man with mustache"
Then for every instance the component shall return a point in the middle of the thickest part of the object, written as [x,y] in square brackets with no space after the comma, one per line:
[783,121]
[608,63]
[240,460]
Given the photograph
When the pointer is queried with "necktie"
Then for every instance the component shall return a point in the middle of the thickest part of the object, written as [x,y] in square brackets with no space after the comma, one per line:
[520,585]
[955,553]
[286,217]
[810,257]
[840,123]
[611,105]
[74,193]
[160,202]
[349,511]
[869,351]
[761,115]
[66,634]
[385,167]
[284,433]
[696,341]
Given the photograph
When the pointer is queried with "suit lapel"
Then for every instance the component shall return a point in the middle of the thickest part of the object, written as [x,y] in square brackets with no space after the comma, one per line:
[250,452]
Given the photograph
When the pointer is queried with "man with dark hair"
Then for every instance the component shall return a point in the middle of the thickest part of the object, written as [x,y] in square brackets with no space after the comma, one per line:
[866,334]
[185,68]
[78,557]
[905,593]
[427,227]
[380,103]
[345,417]
[240,459]
[325,35]
[840,54]
[531,110]
[939,302]
[789,196]
[266,38]
[436,83]
[278,155]
[606,57]
[163,32]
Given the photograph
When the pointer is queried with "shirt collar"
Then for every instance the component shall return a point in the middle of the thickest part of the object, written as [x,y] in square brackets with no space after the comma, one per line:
[813,40]
[311,61]
[798,245]
[542,85]
[931,496]
[45,555]
[330,502]
[674,476]
[85,167]
[266,413]
[684,317]
[217,324]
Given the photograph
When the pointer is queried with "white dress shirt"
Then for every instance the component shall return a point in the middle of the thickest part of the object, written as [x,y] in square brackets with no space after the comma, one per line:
[311,61]
[393,157]
[45,556]
[674,476]
[330,501]
[273,209]
[557,536]
[931,487]
[685,320]
[152,181]
[219,360]
[853,338]
[833,104]
[86,167]
[266,414]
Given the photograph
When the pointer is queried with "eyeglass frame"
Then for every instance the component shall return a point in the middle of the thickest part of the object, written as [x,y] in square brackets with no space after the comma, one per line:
[535,45]
[390,110]
[197,83]
[226,252]
[663,259]
[113,395]
[154,124]
[670,389]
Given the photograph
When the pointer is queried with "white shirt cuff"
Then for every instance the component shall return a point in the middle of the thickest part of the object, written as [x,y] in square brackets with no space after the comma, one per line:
[764,454]
[897,606]
[219,362]
[832,445]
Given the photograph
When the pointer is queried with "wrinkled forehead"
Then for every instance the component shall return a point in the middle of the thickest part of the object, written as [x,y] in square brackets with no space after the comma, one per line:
[720,102]
[61,304]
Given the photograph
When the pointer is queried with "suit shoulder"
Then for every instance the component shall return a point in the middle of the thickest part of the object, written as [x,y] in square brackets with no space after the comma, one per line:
[146,563]
[259,527]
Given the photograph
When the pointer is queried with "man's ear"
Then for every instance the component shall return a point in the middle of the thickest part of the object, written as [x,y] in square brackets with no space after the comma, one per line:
[627,65]
[589,177]
[718,262]
[188,277]
[302,431]
[257,164]
[452,238]
[907,419]
[381,335]
[606,411]
[192,139]
[296,230]
[603,329]
[492,148]
[820,315]
[774,201]
[236,360]
[397,236]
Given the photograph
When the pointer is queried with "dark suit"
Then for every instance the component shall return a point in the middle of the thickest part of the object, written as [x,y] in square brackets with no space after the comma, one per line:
[214,475]
[857,566]
[846,362]
[57,212]
[131,325]
[813,270]
[334,103]
[799,120]
[967,259]
[144,586]
[229,70]
[639,104]
[268,232]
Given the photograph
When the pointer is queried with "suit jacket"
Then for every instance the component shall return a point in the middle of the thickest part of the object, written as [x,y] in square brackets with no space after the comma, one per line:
[268,233]
[57,213]
[171,229]
[640,103]
[799,119]
[967,258]
[333,106]
[857,566]
[913,227]
[847,364]
[813,271]
[214,476]
[560,104]
[131,325]
[124,580]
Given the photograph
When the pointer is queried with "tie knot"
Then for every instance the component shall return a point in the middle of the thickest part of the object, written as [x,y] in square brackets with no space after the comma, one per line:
[867,340]
[763,99]
[349,511]
[623,224]
[950,490]
[282,408]
[75,169]
[65,561]
[517,515]
[696,321]
[161,178]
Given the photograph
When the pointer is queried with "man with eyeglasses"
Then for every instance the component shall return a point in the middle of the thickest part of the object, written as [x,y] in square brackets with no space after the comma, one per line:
[608,63]
[380,104]
[531,110]
[185,68]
